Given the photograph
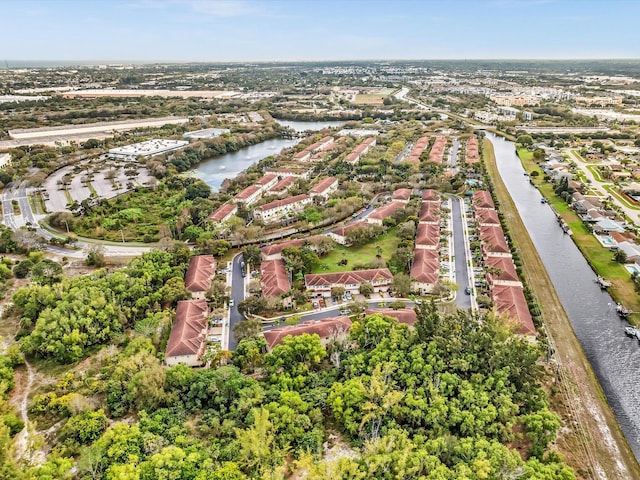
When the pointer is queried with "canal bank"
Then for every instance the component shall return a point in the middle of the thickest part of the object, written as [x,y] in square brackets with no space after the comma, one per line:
[591,439]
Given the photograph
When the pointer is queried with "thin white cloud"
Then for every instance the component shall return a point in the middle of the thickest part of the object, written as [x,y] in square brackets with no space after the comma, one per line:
[207,8]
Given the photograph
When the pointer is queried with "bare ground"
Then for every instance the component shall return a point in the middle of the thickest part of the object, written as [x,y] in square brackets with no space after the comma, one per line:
[590,438]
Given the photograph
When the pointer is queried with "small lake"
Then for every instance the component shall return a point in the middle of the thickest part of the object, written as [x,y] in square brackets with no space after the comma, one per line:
[213,171]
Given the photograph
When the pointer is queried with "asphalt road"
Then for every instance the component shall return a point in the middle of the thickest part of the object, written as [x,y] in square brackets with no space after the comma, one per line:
[460,262]
[453,158]
[237,294]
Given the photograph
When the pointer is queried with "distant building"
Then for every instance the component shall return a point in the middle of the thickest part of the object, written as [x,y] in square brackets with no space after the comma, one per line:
[206,133]
[379,214]
[5,159]
[146,149]
[279,210]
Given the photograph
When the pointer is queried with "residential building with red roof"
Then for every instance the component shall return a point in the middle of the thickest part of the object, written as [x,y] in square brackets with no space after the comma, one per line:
[430,213]
[360,150]
[493,241]
[401,195]
[280,210]
[339,234]
[249,195]
[199,275]
[223,213]
[510,300]
[471,150]
[283,185]
[320,284]
[418,148]
[267,181]
[430,195]
[328,329]
[487,216]
[482,199]
[379,214]
[291,172]
[187,340]
[436,155]
[274,278]
[274,252]
[425,270]
[324,187]
[302,156]
[428,236]
[501,271]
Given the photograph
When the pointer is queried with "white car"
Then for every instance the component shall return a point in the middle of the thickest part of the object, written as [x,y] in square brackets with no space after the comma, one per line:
[231,303]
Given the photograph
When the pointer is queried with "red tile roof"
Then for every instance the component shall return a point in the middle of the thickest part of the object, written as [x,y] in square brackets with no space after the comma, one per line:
[274,278]
[355,277]
[506,268]
[188,331]
[282,203]
[493,239]
[269,177]
[428,234]
[401,194]
[201,270]
[426,266]
[283,184]
[430,212]
[487,216]
[511,300]
[323,328]
[430,195]
[482,199]
[403,315]
[323,185]
[277,248]
[342,230]
[247,192]
[222,212]
[386,210]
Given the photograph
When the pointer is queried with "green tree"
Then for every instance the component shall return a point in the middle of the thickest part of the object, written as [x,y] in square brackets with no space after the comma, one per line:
[401,284]
[525,140]
[366,289]
[247,329]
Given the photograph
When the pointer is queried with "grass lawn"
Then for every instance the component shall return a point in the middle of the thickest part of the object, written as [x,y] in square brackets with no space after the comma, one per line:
[613,190]
[578,156]
[596,173]
[358,255]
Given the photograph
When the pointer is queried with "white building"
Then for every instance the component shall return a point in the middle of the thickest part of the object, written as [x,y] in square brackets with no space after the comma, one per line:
[249,195]
[5,159]
[324,188]
[282,209]
[206,133]
[146,149]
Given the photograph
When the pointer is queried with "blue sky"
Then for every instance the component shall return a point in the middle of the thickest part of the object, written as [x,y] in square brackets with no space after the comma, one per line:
[264,30]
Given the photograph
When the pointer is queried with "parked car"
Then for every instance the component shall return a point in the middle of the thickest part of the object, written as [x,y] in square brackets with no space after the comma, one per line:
[231,303]
[467,290]
[344,311]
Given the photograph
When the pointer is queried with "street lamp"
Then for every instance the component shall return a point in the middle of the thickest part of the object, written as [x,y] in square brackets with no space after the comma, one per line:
[67,225]
[122,235]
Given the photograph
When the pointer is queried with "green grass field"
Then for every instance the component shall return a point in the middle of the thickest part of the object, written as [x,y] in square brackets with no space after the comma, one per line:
[388,242]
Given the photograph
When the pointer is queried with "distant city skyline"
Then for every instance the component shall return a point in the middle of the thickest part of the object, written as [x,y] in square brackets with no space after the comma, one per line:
[314,30]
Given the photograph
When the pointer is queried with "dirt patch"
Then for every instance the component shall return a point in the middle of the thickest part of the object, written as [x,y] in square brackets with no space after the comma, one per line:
[590,439]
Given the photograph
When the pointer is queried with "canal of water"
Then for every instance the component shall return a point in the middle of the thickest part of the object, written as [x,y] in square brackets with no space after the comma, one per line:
[615,358]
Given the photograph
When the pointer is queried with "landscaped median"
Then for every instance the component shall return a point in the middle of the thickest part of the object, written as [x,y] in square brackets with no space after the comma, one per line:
[600,258]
